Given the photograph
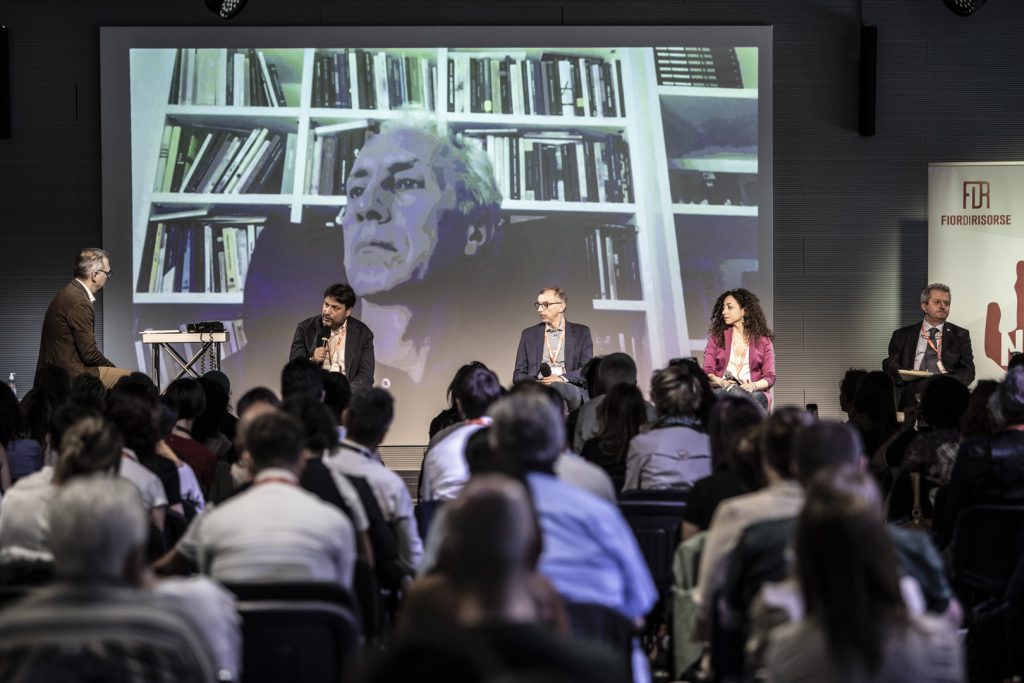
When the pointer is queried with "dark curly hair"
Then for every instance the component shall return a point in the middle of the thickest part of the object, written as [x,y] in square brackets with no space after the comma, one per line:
[754,324]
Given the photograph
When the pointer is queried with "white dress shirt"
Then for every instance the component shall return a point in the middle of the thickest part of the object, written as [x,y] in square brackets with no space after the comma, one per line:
[25,517]
[445,470]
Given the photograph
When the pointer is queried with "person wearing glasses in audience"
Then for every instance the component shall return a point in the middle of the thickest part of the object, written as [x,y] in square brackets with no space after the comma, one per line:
[68,338]
[335,340]
[739,355]
[555,351]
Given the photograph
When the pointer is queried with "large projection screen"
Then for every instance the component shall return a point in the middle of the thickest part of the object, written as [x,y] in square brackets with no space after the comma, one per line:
[630,166]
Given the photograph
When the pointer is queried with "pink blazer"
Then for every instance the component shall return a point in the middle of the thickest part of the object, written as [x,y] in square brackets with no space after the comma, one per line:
[762,358]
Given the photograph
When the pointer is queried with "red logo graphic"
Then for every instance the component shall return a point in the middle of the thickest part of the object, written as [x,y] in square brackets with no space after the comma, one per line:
[997,345]
[976,193]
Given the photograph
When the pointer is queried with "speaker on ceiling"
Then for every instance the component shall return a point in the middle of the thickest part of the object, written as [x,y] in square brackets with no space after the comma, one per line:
[5,85]
[868,66]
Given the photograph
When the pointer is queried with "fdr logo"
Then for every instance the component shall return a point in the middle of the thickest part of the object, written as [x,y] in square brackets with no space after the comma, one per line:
[976,194]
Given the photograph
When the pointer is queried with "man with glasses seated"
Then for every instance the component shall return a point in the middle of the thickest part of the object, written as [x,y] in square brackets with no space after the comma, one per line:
[68,339]
[555,351]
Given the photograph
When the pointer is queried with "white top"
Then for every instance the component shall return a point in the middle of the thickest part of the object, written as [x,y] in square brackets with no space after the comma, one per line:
[25,517]
[391,493]
[351,497]
[334,361]
[777,501]
[188,483]
[572,469]
[445,470]
[152,489]
[276,531]
[213,612]
[739,365]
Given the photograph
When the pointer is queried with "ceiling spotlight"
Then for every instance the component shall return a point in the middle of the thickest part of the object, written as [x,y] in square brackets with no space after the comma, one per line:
[227,9]
[964,8]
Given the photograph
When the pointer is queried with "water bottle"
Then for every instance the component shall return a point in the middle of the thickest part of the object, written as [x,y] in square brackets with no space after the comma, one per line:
[12,385]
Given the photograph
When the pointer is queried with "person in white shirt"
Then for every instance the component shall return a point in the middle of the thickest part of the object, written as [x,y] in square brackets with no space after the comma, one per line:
[276,531]
[367,420]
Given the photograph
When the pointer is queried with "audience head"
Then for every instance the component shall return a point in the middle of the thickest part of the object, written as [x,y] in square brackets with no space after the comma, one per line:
[976,420]
[616,368]
[257,395]
[90,386]
[730,418]
[51,389]
[98,530]
[135,388]
[778,438]
[319,426]
[89,446]
[589,373]
[247,417]
[137,421]
[337,393]
[620,416]
[944,400]
[475,392]
[188,397]
[825,445]
[275,439]
[527,431]
[480,457]
[302,376]
[218,398]
[848,388]
[847,567]
[874,402]
[491,540]
[459,374]
[168,417]
[1009,399]
[369,416]
[73,410]
[746,459]
[677,391]
[1016,360]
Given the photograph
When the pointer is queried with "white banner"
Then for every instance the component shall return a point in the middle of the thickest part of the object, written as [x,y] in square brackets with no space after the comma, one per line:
[976,246]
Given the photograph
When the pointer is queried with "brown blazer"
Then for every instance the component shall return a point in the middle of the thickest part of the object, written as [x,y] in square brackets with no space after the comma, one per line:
[69,338]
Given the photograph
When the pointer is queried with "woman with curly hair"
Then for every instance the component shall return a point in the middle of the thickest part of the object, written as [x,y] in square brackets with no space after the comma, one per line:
[739,353]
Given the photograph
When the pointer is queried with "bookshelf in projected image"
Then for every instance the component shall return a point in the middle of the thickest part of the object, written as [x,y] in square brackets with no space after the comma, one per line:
[573,135]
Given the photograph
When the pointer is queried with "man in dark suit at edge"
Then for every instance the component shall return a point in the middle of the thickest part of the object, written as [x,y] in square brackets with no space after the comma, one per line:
[335,340]
[555,351]
[69,338]
[933,345]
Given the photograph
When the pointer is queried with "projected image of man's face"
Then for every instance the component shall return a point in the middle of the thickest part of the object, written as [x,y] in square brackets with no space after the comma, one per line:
[392,220]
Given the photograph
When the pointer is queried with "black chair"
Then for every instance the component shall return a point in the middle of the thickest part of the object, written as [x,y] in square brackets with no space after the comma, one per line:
[604,625]
[656,517]
[988,541]
[309,632]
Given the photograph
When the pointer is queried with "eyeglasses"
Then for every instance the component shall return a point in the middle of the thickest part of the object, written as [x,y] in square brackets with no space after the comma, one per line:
[543,305]
[108,273]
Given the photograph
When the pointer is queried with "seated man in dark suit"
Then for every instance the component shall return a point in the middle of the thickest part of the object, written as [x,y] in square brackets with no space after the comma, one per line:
[555,350]
[335,340]
[933,345]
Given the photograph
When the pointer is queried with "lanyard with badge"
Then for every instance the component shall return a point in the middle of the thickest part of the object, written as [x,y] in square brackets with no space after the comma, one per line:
[556,369]
[935,345]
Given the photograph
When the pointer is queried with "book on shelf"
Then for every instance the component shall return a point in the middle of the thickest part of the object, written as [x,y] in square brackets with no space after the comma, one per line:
[690,186]
[225,77]
[222,160]
[360,79]
[333,151]
[558,165]
[710,67]
[555,84]
[197,254]
[614,262]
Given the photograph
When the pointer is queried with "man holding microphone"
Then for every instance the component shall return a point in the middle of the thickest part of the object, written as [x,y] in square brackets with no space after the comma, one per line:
[335,340]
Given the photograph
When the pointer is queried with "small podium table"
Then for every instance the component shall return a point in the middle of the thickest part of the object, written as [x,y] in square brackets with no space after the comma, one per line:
[163,340]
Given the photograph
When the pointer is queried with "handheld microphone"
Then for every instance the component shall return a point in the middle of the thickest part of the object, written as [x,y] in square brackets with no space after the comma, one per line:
[729,377]
[545,370]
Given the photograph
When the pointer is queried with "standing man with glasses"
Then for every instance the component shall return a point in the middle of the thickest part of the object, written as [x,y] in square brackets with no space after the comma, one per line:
[555,351]
[933,346]
[69,338]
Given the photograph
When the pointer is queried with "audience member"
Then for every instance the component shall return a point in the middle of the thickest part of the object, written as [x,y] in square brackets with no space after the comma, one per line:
[848,389]
[96,617]
[193,498]
[10,425]
[275,531]
[989,469]
[615,368]
[444,470]
[189,399]
[731,418]
[782,497]
[976,421]
[26,452]
[874,410]
[367,421]
[675,452]
[857,626]
[486,584]
[214,427]
[302,376]
[337,395]
[89,385]
[89,446]
[450,417]
[620,416]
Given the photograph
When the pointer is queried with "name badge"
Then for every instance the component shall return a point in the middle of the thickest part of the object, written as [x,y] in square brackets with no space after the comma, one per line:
[557,371]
